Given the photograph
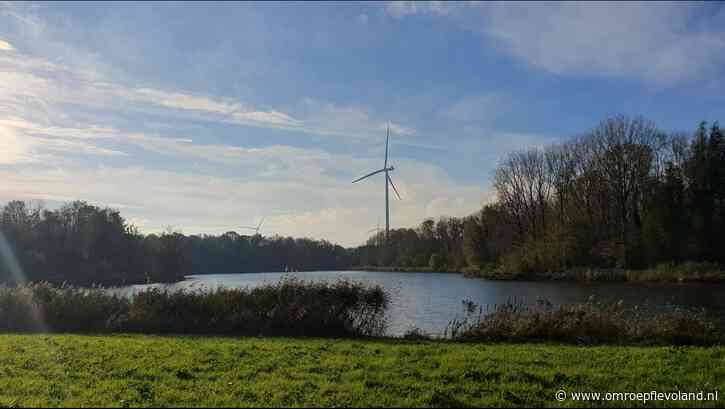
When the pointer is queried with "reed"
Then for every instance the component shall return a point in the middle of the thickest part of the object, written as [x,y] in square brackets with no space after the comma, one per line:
[290,307]
[585,323]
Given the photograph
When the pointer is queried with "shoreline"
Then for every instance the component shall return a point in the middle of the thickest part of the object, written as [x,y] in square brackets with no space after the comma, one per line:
[687,273]
[661,274]
[670,275]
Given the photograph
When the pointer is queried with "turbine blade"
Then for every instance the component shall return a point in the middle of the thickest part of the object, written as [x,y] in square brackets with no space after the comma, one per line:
[387,137]
[393,185]
[260,223]
[368,175]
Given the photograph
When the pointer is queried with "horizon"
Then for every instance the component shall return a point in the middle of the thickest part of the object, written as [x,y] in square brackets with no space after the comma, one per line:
[209,118]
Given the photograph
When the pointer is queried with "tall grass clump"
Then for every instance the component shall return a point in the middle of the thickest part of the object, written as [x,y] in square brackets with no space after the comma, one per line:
[290,308]
[42,307]
[586,323]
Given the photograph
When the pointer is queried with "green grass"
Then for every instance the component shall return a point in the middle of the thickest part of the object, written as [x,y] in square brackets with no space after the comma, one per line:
[74,370]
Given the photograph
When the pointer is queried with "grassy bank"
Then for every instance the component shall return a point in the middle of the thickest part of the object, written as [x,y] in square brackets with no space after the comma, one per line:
[119,371]
[689,272]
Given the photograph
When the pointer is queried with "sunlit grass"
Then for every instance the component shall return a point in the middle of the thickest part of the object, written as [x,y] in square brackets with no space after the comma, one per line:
[61,370]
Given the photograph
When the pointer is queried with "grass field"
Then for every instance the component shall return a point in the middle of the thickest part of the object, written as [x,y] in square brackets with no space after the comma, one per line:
[74,370]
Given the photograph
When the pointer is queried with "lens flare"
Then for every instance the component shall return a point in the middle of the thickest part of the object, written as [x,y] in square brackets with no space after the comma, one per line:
[9,263]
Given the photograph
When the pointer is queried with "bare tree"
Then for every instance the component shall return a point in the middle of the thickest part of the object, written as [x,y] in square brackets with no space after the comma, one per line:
[524,184]
[625,149]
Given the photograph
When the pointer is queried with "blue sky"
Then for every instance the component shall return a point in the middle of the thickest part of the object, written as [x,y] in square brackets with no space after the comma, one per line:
[206,116]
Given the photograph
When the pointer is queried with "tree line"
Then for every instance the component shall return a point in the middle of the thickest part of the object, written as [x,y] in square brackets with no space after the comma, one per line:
[81,243]
[434,244]
[624,194]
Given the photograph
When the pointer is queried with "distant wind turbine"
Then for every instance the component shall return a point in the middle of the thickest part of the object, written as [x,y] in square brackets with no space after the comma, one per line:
[256,229]
[388,182]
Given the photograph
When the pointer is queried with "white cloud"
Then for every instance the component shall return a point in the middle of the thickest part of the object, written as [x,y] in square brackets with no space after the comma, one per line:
[331,119]
[400,9]
[22,141]
[223,110]
[5,46]
[47,40]
[180,100]
[273,118]
[315,117]
[30,128]
[650,41]
[24,79]
[18,87]
[73,147]
[656,42]
[277,162]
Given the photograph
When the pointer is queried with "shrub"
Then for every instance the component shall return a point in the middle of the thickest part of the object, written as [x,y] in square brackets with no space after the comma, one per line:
[416,334]
[43,307]
[290,307]
[586,323]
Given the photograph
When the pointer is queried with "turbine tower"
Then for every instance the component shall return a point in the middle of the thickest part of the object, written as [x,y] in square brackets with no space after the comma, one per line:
[388,182]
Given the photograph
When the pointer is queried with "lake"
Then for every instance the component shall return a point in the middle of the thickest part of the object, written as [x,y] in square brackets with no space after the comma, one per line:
[429,301]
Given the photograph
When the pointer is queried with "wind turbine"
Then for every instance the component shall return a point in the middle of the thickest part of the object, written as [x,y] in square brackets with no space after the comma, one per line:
[388,182]
[256,229]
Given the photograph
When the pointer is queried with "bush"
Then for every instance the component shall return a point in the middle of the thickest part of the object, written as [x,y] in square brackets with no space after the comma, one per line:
[416,334]
[587,323]
[290,307]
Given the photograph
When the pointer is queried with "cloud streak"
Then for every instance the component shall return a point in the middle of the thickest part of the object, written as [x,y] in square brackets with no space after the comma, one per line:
[25,142]
[399,9]
[30,78]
